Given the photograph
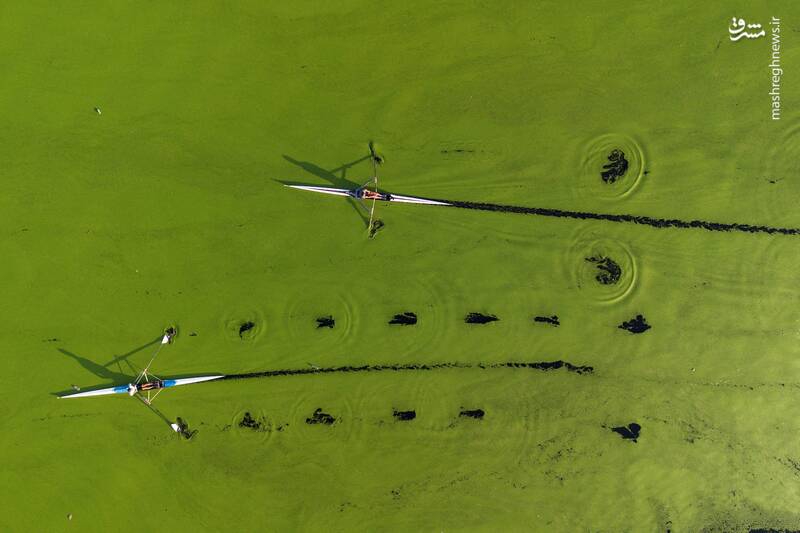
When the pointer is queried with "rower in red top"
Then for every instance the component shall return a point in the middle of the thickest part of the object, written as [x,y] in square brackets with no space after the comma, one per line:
[366,194]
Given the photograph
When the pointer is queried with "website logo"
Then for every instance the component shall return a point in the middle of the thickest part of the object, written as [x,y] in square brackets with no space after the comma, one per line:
[738,27]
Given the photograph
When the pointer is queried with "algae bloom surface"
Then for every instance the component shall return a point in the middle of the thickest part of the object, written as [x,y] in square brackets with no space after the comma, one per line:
[602,335]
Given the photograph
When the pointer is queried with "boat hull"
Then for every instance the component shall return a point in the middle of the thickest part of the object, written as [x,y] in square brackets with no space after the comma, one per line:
[399,198]
[162,384]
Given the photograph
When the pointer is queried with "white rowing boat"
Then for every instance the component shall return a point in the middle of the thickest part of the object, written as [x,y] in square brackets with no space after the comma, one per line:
[146,382]
[363,193]
[134,388]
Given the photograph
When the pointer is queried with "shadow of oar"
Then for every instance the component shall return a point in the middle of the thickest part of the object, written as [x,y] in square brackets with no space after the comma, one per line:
[98,370]
[123,357]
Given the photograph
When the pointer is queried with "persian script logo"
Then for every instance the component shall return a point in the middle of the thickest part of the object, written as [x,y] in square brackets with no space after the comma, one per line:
[739,25]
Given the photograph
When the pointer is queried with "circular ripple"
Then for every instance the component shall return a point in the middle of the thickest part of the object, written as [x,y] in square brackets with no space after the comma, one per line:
[434,311]
[602,268]
[346,427]
[618,156]
[299,319]
[233,323]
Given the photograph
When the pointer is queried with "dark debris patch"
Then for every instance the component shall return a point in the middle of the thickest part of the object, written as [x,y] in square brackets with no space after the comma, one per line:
[404,319]
[609,270]
[248,422]
[244,327]
[404,416]
[637,324]
[325,322]
[552,320]
[320,418]
[477,414]
[616,167]
[480,318]
[629,432]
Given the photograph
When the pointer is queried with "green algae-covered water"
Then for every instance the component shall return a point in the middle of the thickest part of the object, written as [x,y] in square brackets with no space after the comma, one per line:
[165,205]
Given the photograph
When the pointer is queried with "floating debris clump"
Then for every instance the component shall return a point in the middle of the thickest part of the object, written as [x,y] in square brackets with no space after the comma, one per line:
[609,271]
[552,320]
[320,418]
[326,322]
[480,318]
[616,167]
[246,327]
[472,413]
[635,325]
[404,319]
[405,416]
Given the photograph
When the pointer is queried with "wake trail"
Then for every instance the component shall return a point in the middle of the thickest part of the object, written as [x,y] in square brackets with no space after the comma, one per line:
[540,365]
[661,223]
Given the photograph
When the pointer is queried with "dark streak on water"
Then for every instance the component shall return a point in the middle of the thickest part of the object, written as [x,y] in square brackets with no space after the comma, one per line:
[404,416]
[480,318]
[542,365]
[477,414]
[245,327]
[553,320]
[632,219]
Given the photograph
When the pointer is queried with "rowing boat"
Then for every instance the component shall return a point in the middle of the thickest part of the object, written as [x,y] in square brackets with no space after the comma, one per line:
[133,388]
[365,194]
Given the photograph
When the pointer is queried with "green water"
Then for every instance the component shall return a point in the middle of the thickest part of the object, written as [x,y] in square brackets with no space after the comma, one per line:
[167,208]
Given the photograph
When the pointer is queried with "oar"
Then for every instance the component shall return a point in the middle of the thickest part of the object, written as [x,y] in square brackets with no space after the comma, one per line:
[374,158]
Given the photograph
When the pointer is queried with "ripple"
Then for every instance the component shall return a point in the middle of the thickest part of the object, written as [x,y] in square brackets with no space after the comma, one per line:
[346,428]
[611,167]
[236,326]
[602,268]
[299,319]
[436,319]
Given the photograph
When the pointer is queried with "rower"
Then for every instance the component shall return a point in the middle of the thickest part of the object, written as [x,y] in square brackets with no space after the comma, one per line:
[362,193]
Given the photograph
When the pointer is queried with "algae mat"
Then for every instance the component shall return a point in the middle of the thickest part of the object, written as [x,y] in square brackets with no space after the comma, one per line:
[165,205]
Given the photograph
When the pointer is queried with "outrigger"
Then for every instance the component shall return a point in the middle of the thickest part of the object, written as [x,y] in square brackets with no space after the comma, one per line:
[364,193]
[145,381]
